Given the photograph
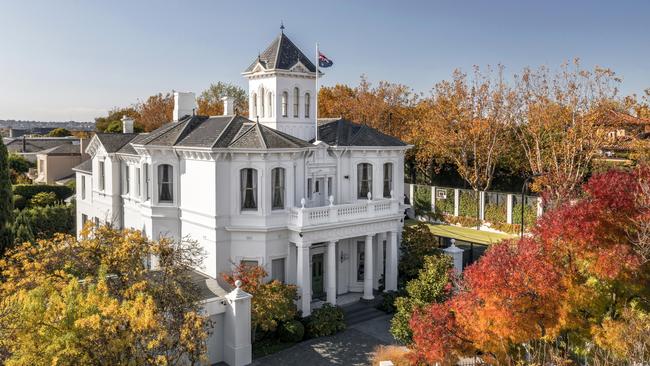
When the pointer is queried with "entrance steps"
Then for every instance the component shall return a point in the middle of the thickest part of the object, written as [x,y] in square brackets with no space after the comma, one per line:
[362,311]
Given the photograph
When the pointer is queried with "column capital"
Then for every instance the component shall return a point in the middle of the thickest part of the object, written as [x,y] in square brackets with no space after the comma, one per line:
[332,242]
[369,236]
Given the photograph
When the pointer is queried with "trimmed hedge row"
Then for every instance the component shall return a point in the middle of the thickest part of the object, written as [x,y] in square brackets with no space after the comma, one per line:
[27,191]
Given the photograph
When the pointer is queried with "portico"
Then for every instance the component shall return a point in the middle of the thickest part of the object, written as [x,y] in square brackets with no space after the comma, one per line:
[347,259]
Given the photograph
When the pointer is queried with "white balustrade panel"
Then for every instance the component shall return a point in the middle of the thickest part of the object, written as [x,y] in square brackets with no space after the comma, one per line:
[362,209]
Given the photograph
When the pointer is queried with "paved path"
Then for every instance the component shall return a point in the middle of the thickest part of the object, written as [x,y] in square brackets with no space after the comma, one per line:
[353,346]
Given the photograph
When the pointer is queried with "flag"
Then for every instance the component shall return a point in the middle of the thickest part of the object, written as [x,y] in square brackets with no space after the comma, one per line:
[323,61]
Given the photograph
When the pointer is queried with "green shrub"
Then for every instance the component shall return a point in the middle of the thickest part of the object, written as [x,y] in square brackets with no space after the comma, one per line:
[530,215]
[43,199]
[19,202]
[422,201]
[417,242]
[325,321]
[292,331]
[19,163]
[29,190]
[446,205]
[387,304]
[496,212]
[468,203]
[46,221]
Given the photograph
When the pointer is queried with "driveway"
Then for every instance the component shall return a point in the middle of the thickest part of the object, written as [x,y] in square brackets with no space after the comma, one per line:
[353,346]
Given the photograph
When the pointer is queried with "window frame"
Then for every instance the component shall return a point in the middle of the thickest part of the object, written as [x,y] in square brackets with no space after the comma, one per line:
[255,113]
[283,274]
[285,104]
[101,182]
[296,102]
[244,189]
[278,188]
[138,183]
[83,187]
[147,179]
[126,189]
[161,183]
[307,104]
[368,180]
[388,178]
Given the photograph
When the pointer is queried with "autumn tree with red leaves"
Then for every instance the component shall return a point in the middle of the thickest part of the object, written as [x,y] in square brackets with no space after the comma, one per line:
[564,293]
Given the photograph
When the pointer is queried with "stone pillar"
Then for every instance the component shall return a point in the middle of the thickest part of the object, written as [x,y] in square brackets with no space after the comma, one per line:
[367,270]
[509,199]
[456,201]
[456,254]
[303,277]
[237,348]
[379,260]
[391,261]
[291,264]
[331,272]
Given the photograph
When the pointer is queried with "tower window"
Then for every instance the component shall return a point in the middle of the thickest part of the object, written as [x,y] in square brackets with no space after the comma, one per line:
[269,110]
[296,101]
[262,103]
[285,100]
[307,104]
[255,105]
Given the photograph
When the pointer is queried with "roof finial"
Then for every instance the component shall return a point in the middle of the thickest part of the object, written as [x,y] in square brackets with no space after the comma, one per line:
[282,26]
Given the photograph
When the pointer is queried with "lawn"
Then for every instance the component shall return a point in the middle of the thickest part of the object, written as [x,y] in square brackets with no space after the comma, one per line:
[464,233]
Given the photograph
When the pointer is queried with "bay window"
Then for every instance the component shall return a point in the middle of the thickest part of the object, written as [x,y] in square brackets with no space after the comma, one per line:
[165,183]
[248,181]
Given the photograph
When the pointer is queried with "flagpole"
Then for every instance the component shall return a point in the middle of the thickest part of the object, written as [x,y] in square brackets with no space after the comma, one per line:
[316,113]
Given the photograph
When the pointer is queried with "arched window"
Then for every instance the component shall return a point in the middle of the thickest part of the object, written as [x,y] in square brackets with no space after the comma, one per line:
[277,185]
[254,105]
[307,104]
[269,109]
[285,101]
[248,181]
[296,101]
[262,103]
[388,179]
[165,183]
[364,180]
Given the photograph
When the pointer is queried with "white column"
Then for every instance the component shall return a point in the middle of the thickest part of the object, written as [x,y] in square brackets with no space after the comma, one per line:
[367,270]
[509,199]
[456,202]
[379,260]
[481,205]
[331,272]
[304,279]
[456,254]
[391,261]
[291,264]
[237,349]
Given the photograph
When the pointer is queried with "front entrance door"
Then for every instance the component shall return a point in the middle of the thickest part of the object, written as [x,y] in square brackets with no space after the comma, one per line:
[317,275]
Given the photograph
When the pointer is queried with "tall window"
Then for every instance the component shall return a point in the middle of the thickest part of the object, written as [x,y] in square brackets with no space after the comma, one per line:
[307,104]
[364,180]
[102,176]
[269,110]
[309,188]
[361,253]
[388,179]
[277,183]
[263,102]
[147,196]
[127,180]
[285,101]
[165,183]
[83,187]
[248,189]
[277,269]
[137,182]
[255,105]
[296,101]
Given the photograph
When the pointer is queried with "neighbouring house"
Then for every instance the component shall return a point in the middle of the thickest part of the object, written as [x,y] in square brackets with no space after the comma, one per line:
[29,147]
[318,203]
[55,165]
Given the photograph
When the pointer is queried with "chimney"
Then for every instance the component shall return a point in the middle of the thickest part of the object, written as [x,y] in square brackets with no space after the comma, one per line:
[127,124]
[228,106]
[83,144]
[184,105]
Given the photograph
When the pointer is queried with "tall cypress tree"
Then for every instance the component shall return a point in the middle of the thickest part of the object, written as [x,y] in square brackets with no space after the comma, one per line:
[6,200]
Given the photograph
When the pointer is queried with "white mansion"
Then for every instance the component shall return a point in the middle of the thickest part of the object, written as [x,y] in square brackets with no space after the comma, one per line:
[323,212]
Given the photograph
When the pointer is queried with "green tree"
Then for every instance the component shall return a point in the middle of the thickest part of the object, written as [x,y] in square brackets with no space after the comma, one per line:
[115,115]
[92,301]
[43,199]
[45,222]
[22,229]
[6,200]
[19,164]
[59,132]
[433,284]
[210,103]
[417,242]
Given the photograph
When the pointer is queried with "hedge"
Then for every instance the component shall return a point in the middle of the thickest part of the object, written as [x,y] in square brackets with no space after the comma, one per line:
[45,221]
[468,203]
[30,190]
[422,201]
[446,205]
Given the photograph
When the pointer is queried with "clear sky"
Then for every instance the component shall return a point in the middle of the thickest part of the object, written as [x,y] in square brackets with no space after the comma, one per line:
[74,60]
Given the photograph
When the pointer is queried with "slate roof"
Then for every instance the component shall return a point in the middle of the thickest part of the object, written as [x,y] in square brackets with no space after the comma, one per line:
[219,132]
[282,54]
[64,149]
[341,132]
[35,144]
[113,142]
[86,166]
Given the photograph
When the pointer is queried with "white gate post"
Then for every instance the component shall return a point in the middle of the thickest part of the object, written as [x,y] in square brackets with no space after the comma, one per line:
[237,347]
[456,255]
[481,205]
[433,198]
[456,201]
[509,199]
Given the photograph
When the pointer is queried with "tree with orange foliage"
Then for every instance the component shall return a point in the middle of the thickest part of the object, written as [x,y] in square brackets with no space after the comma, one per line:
[155,111]
[564,293]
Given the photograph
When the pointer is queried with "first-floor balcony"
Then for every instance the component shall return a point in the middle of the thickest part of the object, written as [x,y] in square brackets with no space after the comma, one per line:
[304,217]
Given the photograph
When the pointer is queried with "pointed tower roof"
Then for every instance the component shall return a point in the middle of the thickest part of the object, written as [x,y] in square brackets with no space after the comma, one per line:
[281,54]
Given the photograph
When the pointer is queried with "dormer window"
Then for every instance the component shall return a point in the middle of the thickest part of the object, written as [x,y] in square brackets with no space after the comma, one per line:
[165,183]
[307,104]
[285,101]
[296,101]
